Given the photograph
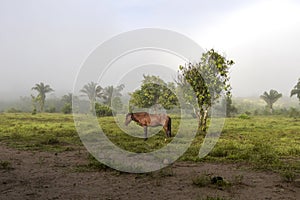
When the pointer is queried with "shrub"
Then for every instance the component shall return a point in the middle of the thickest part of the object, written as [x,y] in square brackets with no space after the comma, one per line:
[13,110]
[67,109]
[202,180]
[33,111]
[294,113]
[288,175]
[244,116]
[6,165]
[102,110]
[51,110]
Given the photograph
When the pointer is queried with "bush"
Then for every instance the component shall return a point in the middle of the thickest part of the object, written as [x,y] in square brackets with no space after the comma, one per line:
[51,110]
[202,180]
[102,110]
[6,165]
[67,109]
[244,116]
[294,113]
[13,110]
[33,111]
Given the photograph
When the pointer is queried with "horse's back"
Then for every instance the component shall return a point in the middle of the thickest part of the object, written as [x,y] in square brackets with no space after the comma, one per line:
[146,119]
[158,119]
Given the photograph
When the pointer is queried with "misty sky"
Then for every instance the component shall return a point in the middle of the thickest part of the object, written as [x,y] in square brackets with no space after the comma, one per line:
[48,40]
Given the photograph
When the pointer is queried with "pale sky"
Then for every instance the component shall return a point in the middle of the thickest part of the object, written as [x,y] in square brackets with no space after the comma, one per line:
[48,40]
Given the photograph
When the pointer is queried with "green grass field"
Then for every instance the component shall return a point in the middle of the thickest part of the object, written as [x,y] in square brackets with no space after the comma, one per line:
[268,143]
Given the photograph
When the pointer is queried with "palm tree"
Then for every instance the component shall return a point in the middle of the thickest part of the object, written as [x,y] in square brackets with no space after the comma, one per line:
[110,92]
[92,90]
[296,90]
[42,90]
[271,98]
[67,98]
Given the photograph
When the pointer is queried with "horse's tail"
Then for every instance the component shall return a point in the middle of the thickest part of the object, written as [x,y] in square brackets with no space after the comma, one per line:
[169,126]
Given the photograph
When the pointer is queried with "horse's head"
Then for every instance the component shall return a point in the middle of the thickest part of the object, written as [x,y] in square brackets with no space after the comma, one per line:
[128,119]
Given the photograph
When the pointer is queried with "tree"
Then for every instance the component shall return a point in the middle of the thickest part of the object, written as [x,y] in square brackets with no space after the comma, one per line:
[102,110]
[92,90]
[230,108]
[207,79]
[67,100]
[270,98]
[110,93]
[117,104]
[34,101]
[42,90]
[296,90]
[154,92]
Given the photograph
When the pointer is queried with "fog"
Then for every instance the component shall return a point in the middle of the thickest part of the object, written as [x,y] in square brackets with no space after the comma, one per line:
[48,41]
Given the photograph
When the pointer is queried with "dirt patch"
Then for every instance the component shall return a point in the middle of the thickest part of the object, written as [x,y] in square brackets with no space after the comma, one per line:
[44,175]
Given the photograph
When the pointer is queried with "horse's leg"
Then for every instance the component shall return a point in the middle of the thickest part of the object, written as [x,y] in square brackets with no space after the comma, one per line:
[167,127]
[145,133]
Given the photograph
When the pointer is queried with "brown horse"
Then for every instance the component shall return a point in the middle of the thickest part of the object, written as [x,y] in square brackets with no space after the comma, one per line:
[145,119]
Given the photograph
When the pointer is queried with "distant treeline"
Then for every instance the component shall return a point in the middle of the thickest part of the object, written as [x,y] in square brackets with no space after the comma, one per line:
[250,106]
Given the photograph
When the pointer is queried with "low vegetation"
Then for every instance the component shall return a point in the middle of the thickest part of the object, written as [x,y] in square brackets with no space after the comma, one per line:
[5,165]
[267,143]
[214,198]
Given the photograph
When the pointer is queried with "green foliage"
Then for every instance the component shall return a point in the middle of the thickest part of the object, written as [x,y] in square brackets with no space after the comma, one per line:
[154,91]
[294,113]
[50,141]
[92,90]
[270,143]
[231,110]
[67,98]
[95,164]
[166,172]
[270,98]
[208,79]
[112,94]
[204,180]
[49,132]
[42,90]
[51,109]
[288,175]
[34,111]
[296,90]
[5,165]
[244,116]
[67,109]
[117,104]
[102,110]
[201,180]
[13,110]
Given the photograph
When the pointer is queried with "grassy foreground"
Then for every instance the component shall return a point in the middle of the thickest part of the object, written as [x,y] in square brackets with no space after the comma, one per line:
[271,143]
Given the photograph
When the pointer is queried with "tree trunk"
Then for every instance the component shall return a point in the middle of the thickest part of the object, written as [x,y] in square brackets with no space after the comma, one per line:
[202,120]
[42,106]
[92,107]
[271,109]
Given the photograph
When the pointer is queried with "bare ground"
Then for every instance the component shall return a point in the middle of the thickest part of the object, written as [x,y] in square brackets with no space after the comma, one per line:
[45,175]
